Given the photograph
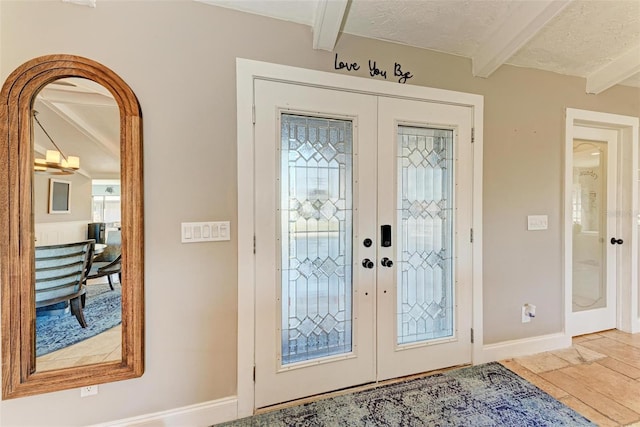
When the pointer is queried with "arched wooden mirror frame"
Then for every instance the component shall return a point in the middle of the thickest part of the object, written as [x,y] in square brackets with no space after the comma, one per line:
[19,376]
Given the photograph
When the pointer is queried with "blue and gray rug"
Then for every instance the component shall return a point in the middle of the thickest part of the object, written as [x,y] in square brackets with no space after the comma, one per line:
[483,395]
[103,311]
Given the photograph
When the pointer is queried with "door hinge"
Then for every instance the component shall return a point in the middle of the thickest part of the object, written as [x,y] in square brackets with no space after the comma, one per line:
[254,374]
[470,235]
[253,114]
[471,343]
[473,134]
[254,244]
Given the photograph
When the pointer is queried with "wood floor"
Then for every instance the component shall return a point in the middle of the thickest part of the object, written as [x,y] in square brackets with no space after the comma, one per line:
[599,376]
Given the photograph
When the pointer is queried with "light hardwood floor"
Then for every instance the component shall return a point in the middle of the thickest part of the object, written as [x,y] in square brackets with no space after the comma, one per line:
[599,376]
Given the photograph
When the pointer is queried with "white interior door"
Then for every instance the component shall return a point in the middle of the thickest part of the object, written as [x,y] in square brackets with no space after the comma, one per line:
[595,230]
[339,302]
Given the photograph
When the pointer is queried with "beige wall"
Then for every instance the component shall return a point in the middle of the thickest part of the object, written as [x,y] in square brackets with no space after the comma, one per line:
[179,58]
[80,199]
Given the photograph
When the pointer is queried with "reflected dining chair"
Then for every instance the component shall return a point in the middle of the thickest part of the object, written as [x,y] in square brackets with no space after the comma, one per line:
[109,261]
[60,274]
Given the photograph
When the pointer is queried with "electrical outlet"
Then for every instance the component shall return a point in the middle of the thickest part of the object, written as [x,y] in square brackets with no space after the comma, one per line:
[528,312]
[89,390]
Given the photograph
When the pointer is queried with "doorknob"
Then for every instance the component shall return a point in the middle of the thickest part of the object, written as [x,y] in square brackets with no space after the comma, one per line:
[367,263]
[618,241]
[386,262]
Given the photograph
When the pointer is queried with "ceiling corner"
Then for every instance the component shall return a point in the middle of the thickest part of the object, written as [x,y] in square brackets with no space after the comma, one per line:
[523,24]
[614,72]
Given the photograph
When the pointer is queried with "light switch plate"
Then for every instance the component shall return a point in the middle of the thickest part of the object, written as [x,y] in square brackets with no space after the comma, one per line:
[537,222]
[212,231]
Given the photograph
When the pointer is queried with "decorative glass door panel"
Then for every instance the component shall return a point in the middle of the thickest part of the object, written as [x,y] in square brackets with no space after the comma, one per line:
[316,237]
[594,230]
[589,225]
[424,179]
[315,163]
[363,262]
[425,223]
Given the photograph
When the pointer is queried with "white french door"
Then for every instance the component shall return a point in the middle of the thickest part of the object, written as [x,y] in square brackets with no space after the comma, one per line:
[362,223]
[424,192]
[595,230]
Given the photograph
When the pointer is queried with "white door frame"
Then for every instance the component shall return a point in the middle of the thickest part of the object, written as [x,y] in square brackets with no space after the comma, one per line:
[247,71]
[627,261]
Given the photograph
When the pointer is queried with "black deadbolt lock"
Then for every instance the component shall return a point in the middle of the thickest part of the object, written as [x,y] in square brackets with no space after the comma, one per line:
[385,231]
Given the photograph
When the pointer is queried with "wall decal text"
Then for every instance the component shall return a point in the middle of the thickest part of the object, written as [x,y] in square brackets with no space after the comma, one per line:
[374,69]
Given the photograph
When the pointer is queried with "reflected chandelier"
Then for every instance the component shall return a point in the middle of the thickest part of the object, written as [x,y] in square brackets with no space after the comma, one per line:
[55,162]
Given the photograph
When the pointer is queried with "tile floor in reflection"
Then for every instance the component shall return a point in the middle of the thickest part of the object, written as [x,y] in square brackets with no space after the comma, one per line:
[104,347]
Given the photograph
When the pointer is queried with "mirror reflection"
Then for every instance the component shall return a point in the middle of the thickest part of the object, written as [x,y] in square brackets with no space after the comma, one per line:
[77,225]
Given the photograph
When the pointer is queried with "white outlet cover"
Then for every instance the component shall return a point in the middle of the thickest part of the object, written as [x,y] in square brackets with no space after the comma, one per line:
[89,390]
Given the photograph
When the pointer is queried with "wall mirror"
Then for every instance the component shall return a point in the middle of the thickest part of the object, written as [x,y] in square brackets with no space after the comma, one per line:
[71,283]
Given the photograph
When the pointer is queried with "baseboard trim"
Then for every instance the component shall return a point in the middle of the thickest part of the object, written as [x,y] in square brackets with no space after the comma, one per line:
[523,347]
[201,414]
[223,410]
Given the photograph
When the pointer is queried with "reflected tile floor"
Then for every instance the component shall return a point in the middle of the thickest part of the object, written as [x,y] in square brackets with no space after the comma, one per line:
[103,347]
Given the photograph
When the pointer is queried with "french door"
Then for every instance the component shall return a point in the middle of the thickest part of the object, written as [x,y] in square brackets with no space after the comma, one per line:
[362,238]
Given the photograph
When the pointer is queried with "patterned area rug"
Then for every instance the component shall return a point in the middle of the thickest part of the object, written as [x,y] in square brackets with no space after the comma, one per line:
[483,395]
[103,311]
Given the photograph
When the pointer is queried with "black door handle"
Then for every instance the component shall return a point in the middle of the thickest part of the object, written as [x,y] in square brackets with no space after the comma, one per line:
[367,263]
[386,262]
[618,241]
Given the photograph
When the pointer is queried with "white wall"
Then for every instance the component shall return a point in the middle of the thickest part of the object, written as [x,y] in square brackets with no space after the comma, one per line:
[179,58]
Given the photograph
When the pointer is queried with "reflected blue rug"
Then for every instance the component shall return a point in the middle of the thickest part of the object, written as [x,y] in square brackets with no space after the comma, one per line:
[483,395]
[103,311]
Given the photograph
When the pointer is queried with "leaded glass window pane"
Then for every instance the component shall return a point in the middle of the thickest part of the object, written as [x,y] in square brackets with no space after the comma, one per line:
[316,237]
[425,223]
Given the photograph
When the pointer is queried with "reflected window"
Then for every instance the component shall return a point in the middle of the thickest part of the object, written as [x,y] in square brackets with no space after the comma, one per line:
[105,196]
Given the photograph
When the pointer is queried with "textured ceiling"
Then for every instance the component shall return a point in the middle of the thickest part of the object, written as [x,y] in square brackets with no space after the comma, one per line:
[580,40]
[584,38]
[456,27]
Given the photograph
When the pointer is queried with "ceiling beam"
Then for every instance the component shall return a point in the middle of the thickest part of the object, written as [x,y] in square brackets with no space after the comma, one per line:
[615,71]
[524,23]
[85,128]
[327,23]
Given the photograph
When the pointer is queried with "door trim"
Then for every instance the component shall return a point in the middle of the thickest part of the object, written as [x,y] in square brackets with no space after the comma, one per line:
[247,71]
[627,209]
